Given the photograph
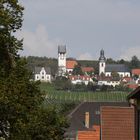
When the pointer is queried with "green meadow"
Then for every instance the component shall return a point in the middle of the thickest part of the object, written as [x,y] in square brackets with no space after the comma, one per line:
[68,96]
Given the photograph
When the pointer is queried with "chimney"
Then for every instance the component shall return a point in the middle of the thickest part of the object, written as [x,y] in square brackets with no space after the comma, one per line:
[87,119]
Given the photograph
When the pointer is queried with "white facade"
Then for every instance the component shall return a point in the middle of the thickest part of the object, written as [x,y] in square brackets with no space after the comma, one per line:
[109,83]
[81,79]
[101,67]
[42,75]
[121,74]
[102,63]
[61,60]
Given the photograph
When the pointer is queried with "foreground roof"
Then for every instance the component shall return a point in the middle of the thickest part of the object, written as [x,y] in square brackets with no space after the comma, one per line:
[117,123]
[90,134]
[77,116]
[134,94]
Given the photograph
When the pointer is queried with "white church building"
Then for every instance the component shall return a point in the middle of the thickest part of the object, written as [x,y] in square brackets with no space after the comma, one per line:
[107,69]
[43,74]
[61,60]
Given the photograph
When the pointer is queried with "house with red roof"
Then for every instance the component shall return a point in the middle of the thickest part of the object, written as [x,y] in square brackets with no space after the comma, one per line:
[136,72]
[109,81]
[70,64]
[79,79]
[88,70]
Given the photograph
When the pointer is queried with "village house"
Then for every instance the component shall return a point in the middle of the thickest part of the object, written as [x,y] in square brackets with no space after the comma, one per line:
[88,70]
[109,81]
[70,64]
[135,72]
[79,79]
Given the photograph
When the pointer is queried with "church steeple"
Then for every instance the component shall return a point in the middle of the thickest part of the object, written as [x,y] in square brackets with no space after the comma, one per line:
[102,64]
[102,57]
[61,60]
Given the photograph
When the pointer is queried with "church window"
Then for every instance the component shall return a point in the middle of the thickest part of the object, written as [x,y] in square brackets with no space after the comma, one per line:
[102,64]
[62,56]
[97,112]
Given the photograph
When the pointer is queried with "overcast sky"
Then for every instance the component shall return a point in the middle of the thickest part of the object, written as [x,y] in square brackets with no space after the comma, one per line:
[84,26]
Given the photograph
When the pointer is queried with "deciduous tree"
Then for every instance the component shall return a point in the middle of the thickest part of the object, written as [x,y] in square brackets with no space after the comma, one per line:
[20,98]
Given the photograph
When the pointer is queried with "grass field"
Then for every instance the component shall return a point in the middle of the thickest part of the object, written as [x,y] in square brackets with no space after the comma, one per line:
[65,96]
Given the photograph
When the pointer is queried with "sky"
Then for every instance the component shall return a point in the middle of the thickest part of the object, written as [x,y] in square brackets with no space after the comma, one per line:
[84,26]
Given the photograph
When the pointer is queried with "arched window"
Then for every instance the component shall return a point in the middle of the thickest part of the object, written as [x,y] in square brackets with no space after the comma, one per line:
[102,64]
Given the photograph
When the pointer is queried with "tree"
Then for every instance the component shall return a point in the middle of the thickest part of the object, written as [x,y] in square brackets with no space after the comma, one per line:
[20,98]
[62,83]
[134,63]
[10,21]
[110,61]
[115,75]
[77,70]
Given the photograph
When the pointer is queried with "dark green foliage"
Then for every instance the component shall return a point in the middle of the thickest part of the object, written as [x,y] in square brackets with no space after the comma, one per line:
[21,114]
[135,62]
[42,62]
[77,70]
[10,21]
[115,75]
[51,125]
[110,61]
[62,83]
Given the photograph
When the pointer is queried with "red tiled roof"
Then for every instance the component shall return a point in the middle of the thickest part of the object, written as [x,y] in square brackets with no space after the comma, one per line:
[70,64]
[136,71]
[87,69]
[132,86]
[117,123]
[90,134]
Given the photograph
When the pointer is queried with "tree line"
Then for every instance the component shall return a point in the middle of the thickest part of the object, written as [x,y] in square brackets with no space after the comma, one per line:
[33,61]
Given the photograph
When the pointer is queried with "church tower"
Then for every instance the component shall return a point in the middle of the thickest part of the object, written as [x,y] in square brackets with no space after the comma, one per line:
[102,63]
[61,60]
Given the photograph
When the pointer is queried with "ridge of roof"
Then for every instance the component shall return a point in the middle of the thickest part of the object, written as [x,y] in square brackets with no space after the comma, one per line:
[134,92]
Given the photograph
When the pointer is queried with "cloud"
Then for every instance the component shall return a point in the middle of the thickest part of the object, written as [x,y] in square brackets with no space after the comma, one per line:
[85,56]
[83,24]
[37,43]
[128,53]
